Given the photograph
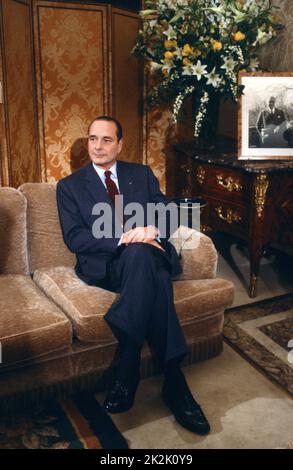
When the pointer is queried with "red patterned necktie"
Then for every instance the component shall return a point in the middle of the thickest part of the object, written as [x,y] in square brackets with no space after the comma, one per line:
[111,186]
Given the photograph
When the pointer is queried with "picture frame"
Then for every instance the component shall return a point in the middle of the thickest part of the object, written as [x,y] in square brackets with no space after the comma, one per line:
[265,116]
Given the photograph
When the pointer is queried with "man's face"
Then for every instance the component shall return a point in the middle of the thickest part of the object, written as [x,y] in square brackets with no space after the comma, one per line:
[272,103]
[103,145]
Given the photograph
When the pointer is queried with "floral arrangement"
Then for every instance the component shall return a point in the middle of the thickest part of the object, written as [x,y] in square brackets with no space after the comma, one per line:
[199,46]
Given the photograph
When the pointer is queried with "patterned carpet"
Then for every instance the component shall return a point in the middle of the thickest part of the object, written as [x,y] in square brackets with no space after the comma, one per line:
[76,423]
[261,332]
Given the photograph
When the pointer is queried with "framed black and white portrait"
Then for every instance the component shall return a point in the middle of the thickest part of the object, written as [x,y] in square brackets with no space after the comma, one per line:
[265,116]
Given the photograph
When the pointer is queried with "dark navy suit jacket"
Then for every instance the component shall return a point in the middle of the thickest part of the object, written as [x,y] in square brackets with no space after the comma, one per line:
[76,196]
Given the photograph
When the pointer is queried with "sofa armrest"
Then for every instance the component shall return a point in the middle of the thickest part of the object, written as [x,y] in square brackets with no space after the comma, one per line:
[197,253]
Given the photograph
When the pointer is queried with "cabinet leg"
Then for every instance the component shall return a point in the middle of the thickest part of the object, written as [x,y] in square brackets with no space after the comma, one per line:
[252,287]
[255,257]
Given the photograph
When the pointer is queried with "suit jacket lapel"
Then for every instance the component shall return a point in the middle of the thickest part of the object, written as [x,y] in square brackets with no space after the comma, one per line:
[124,175]
[95,186]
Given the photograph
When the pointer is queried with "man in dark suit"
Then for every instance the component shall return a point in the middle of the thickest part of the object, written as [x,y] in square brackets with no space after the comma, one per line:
[138,263]
[288,134]
[271,124]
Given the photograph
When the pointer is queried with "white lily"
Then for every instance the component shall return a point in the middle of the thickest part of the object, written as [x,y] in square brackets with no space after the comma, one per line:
[254,64]
[213,78]
[187,70]
[178,52]
[145,13]
[167,67]
[178,15]
[199,70]
[170,32]
[155,66]
[173,4]
[262,37]
[162,5]
[181,3]
[229,65]
[239,15]
[219,10]
[153,23]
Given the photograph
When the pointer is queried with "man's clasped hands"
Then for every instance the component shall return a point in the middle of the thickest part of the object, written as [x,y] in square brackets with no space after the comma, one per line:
[142,234]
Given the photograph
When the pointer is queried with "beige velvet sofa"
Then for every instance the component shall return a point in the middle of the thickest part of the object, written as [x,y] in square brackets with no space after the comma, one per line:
[54,339]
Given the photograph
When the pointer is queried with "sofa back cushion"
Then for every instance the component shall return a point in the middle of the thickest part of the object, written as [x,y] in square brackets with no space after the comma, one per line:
[13,233]
[45,241]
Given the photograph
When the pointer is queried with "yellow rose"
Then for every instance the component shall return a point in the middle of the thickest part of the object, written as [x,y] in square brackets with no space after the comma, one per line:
[187,50]
[168,55]
[239,36]
[170,44]
[186,61]
[196,53]
[217,45]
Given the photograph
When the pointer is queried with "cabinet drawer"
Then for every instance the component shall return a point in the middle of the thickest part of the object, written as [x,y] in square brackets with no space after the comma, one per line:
[223,182]
[228,217]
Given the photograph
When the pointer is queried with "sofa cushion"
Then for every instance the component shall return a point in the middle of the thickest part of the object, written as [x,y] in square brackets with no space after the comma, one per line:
[86,305]
[30,324]
[196,299]
[13,236]
[45,241]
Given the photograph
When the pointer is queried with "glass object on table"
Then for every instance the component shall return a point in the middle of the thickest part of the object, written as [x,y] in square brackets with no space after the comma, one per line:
[190,211]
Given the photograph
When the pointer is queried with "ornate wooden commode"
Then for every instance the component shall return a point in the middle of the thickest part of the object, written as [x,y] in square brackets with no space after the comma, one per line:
[250,200]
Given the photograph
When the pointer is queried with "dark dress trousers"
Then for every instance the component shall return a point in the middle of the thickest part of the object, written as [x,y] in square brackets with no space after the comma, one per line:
[288,136]
[140,272]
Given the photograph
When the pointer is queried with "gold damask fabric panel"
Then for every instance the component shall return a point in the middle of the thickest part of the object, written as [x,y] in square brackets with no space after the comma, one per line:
[72,78]
[4,175]
[127,80]
[157,128]
[19,93]
[161,135]
[278,55]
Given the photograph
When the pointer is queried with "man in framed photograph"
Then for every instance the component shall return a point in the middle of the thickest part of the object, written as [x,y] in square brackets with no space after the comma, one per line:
[265,113]
[288,134]
[271,124]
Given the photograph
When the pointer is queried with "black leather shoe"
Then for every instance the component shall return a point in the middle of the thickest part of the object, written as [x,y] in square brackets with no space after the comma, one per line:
[119,398]
[187,412]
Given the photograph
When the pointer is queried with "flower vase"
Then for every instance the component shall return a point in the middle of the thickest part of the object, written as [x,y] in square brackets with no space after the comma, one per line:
[207,135]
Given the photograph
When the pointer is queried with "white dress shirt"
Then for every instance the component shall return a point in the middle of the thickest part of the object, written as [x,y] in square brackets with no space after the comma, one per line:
[101,173]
